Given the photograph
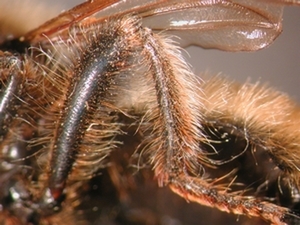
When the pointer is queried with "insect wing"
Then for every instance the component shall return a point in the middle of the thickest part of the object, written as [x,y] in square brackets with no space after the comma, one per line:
[227,25]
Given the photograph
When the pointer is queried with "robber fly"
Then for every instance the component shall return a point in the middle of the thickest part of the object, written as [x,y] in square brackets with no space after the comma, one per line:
[98,108]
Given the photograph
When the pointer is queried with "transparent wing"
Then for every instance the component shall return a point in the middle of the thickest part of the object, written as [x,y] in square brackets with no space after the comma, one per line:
[237,25]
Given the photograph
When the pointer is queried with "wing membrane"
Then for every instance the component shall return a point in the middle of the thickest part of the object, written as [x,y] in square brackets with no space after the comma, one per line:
[220,24]
[239,25]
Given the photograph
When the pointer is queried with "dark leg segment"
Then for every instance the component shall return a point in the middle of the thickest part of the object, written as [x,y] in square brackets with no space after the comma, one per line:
[11,80]
[107,53]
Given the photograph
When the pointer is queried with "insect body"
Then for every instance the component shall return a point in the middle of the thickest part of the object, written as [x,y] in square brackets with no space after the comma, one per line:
[95,96]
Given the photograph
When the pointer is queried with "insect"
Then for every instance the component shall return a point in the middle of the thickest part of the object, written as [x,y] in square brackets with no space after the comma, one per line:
[97,109]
